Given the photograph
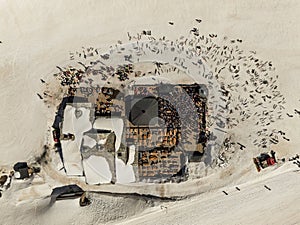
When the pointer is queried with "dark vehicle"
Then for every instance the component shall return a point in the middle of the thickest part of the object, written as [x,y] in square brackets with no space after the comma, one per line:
[84,201]
[56,135]
[21,170]
[68,137]
[66,192]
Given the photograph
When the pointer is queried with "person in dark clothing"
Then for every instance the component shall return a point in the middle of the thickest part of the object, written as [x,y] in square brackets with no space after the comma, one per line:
[273,155]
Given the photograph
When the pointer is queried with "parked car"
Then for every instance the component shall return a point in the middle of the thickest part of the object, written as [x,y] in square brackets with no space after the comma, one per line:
[56,135]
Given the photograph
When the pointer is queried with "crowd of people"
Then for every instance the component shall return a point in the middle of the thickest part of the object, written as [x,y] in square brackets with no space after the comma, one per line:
[106,102]
[70,77]
[123,72]
[183,117]
[168,113]
[145,90]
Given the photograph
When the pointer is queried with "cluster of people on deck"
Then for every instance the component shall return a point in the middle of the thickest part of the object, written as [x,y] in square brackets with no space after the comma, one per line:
[144,90]
[168,113]
[173,117]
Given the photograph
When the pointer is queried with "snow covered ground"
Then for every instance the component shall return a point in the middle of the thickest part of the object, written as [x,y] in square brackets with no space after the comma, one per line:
[37,36]
[251,204]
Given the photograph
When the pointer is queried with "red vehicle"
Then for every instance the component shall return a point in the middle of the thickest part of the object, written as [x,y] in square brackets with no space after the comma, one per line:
[56,135]
[264,160]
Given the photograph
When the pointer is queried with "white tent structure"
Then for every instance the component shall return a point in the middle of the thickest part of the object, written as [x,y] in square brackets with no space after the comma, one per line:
[124,173]
[131,155]
[88,141]
[96,169]
[71,149]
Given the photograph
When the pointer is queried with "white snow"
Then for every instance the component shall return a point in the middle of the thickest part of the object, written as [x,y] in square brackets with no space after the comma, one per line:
[72,158]
[124,173]
[71,149]
[131,154]
[88,141]
[102,142]
[253,204]
[96,170]
[38,35]
[114,124]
